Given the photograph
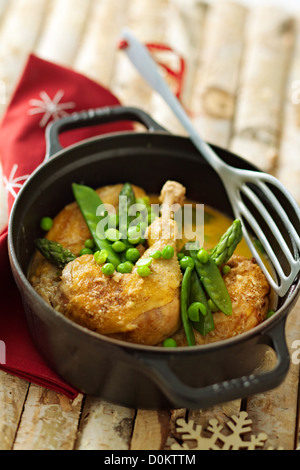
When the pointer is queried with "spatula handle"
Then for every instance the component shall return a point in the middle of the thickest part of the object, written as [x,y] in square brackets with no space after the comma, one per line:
[145,65]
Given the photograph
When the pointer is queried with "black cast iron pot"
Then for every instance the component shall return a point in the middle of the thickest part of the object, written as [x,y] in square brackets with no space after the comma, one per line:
[126,374]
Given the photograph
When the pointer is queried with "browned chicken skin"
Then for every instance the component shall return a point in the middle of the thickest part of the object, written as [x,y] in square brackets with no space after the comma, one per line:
[127,306]
[249,292]
[70,230]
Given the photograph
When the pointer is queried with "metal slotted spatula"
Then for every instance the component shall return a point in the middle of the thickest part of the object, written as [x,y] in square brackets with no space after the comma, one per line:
[270,216]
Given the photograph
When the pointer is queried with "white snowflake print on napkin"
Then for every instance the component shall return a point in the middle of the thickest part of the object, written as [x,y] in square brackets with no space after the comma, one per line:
[13,183]
[50,108]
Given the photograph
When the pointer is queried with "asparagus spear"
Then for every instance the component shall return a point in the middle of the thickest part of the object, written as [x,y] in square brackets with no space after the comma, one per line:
[54,252]
[128,193]
[227,244]
[124,218]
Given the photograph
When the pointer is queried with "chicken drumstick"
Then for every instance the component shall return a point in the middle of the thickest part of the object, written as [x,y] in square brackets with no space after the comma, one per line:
[127,306]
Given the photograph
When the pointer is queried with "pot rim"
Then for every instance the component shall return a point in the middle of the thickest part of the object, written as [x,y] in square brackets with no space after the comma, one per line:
[266,325]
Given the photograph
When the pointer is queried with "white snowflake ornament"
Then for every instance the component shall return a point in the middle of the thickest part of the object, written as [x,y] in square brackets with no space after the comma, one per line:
[217,439]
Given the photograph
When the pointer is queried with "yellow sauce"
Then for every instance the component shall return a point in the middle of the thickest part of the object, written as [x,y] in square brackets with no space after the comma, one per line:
[215,225]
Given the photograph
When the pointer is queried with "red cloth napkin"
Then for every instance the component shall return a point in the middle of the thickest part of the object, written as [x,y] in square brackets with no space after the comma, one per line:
[45,92]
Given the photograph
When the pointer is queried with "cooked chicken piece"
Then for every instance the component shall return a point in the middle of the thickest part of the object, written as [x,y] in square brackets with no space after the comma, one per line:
[127,306]
[249,292]
[70,230]
[69,227]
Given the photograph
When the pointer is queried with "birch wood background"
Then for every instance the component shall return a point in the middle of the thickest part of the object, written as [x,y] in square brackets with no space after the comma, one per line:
[242,89]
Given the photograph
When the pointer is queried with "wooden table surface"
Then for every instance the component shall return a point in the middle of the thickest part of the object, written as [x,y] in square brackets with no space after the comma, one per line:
[242,90]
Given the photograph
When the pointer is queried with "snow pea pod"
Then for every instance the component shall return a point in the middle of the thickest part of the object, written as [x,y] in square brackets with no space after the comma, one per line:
[185,301]
[197,294]
[213,283]
[89,203]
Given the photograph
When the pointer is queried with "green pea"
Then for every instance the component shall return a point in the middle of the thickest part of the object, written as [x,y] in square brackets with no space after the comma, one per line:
[133,254]
[143,271]
[85,251]
[112,235]
[213,306]
[118,246]
[169,343]
[168,252]
[180,256]
[125,268]
[144,262]
[194,311]
[156,255]
[101,256]
[108,269]
[270,313]
[89,243]
[187,262]
[134,235]
[226,269]
[46,224]
[203,256]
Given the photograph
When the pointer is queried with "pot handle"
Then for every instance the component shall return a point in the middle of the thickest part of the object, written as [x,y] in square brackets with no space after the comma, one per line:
[95,117]
[185,396]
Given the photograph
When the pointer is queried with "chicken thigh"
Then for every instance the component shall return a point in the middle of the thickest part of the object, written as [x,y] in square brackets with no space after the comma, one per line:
[127,306]
[249,292]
